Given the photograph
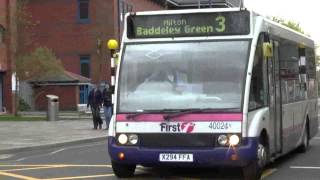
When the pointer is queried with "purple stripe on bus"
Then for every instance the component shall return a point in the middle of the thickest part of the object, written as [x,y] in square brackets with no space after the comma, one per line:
[292,129]
[186,117]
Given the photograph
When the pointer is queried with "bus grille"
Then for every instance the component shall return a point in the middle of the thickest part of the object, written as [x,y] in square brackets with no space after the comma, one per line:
[177,140]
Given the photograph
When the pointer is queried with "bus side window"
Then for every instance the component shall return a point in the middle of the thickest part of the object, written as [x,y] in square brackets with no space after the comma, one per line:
[311,73]
[257,98]
[289,65]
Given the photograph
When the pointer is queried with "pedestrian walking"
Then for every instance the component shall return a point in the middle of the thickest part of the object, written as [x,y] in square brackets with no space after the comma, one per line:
[107,104]
[95,102]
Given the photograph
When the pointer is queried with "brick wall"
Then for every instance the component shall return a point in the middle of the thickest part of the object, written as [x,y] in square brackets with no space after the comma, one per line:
[7,51]
[3,57]
[136,5]
[68,98]
[144,5]
[55,25]
[3,47]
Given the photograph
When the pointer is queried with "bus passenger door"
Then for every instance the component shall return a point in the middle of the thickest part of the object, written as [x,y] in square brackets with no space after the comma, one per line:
[275,99]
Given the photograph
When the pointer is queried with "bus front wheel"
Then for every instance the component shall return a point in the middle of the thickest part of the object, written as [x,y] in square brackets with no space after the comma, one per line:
[253,171]
[123,171]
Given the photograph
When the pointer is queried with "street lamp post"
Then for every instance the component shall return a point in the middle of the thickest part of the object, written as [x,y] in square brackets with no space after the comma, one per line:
[113,45]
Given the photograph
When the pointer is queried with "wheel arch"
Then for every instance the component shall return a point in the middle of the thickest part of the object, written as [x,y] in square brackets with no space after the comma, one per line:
[258,122]
[307,125]
[264,137]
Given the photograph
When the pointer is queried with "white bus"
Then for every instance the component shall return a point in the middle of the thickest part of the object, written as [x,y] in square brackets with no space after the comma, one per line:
[211,87]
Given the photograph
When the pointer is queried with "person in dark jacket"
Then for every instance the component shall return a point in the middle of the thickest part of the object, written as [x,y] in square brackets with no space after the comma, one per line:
[107,104]
[95,102]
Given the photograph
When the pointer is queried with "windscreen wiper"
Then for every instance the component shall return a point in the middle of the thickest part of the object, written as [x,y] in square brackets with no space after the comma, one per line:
[146,111]
[198,110]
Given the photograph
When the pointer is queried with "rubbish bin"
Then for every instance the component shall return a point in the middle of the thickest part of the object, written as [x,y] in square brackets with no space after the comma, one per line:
[53,107]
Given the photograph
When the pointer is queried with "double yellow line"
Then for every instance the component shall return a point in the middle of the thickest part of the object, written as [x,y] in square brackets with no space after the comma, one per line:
[17,176]
[8,173]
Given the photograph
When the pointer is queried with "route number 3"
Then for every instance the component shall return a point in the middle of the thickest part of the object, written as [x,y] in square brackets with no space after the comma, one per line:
[221,20]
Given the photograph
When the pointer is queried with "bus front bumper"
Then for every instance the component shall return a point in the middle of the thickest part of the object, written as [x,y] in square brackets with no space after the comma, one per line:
[202,157]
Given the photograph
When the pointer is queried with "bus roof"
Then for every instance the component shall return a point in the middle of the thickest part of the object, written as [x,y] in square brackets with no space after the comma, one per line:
[207,3]
[282,31]
[185,11]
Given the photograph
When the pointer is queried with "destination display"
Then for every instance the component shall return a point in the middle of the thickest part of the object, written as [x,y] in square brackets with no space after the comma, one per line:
[188,25]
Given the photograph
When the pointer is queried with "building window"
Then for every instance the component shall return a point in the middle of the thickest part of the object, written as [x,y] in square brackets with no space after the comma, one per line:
[85,66]
[289,67]
[83,11]
[84,92]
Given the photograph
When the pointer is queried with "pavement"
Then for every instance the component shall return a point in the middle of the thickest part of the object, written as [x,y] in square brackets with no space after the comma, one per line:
[34,135]
[63,115]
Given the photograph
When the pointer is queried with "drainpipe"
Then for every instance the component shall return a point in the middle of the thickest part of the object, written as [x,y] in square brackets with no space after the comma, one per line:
[119,26]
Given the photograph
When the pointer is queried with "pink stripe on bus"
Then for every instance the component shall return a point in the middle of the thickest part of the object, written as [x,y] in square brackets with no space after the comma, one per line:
[186,117]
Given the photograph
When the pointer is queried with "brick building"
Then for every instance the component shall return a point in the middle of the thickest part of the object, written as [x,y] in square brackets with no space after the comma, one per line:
[7,53]
[77,31]
[64,85]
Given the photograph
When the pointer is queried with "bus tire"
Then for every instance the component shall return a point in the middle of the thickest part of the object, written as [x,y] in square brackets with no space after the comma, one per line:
[123,171]
[254,170]
[305,141]
[251,171]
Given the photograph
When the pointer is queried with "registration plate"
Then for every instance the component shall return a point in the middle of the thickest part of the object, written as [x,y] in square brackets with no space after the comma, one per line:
[170,157]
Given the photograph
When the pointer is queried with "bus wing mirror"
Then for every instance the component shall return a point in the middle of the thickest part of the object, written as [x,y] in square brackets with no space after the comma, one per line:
[267,50]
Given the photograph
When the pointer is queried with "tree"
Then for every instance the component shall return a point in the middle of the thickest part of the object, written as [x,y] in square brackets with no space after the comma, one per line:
[23,20]
[35,66]
[290,24]
[30,65]
[38,64]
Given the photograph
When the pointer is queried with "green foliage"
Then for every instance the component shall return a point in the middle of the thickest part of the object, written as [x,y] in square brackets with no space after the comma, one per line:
[22,16]
[23,106]
[38,64]
[317,55]
[290,24]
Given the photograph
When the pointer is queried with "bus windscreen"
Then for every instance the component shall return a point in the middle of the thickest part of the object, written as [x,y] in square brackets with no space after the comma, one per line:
[188,25]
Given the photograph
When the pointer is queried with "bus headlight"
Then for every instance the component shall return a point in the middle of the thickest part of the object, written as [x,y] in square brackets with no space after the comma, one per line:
[234,140]
[123,139]
[133,139]
[222,140]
